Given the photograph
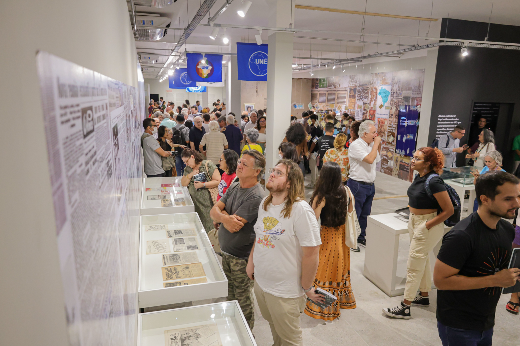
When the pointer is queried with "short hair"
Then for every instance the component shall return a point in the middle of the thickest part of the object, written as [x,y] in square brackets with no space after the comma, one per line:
[157,114]
[340,141]
[190,152]
[205,116]
[495,155]
[213,126]
[314,117]
[188,124]
[260,113]
[230,119]
[488,183]
[364,127]
[147,122]
[231,158]
[434,157]
[222,118]
[329,127]
[253,112]
[259,162]
[329,117]
[197,101]
[187,102]
[184,111]
[195,107]
[305,114]
[489,137]
[289,151]
[180,118]
[458,128]
[252,134]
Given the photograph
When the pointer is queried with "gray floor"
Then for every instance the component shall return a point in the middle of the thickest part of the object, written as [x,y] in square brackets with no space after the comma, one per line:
[366,324]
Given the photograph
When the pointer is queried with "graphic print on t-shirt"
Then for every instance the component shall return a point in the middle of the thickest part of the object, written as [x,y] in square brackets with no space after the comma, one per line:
[496,261]
[272,230]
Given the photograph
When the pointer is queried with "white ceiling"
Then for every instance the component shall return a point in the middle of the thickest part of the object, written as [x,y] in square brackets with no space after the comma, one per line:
[338,25]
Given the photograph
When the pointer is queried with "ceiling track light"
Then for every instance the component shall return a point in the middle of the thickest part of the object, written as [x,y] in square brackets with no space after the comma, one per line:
[225,39]
[464,51]
[214,33]
[259,37]
[242,11]
[170,72]
[333,67]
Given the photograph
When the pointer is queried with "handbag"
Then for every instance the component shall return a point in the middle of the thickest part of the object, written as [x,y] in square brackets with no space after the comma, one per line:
[352,227]
[213,239]
[213,191]
[168,162]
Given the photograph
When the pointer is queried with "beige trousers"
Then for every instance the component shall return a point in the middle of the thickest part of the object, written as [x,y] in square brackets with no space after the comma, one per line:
[422,241]
[283,315]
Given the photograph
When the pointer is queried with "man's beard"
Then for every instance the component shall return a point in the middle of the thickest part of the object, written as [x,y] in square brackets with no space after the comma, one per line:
[504,215]
[272,188]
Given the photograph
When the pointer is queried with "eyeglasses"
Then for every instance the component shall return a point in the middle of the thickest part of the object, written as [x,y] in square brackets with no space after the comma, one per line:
[276,172]
[416,159]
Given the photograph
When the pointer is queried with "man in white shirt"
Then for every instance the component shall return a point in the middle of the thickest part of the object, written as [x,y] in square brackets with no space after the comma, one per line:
[284,258]
[252,121]
[363,156]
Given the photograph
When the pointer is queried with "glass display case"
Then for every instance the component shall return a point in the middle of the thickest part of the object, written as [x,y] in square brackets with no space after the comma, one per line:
[165,196]
[459,175]
[212,324]
[176,261]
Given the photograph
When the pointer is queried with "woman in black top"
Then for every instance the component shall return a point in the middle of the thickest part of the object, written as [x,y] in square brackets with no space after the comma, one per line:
[330,203]
[426,227]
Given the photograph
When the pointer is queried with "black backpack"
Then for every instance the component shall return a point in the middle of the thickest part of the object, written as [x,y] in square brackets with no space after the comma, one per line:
[454,197]
[178,138]
[435,142]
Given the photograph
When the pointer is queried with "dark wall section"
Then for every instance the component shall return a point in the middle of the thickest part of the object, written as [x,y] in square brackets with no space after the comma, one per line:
[485,75]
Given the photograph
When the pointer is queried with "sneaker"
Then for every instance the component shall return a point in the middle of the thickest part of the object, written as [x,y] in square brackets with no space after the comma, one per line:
[402,311]
[420,300]
[362,242]
[356,249]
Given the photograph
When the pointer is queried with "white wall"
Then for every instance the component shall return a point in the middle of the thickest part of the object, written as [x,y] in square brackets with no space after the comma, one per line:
[95,34]
[179,95]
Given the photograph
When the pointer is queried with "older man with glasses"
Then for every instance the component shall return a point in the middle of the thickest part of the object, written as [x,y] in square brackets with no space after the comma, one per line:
[196,134]
[449,145]
[237,212]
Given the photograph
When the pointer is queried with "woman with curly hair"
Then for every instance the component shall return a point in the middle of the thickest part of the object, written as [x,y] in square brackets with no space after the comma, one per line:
[339,154]
[296,135]
[425,226]
[330,202]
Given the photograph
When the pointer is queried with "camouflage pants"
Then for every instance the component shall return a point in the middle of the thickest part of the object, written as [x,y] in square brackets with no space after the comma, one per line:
[240,286]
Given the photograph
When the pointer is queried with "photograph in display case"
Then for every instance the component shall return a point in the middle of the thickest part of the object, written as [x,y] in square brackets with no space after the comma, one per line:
[157,197]
[185,244]
[186,282]
[155,228]
[166,203]
[172,259]
[184,271]
[203,335]
[181,233]
[157,246]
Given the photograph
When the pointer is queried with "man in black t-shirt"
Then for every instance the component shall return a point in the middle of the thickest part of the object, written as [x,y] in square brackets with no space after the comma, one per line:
[315,133]
[325,142]
[472,265]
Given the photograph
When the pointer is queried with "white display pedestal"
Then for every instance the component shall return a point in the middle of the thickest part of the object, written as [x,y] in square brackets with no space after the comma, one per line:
[171,189]
[461,190]
[227,316]
[382,235]
[151,284]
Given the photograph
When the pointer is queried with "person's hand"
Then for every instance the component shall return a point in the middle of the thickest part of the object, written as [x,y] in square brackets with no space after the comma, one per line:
[193,172]
[315,297]
[250,270]
[458,150]
[377,141]
[465,147]
[322,203]
[232,224]
[469,156]
[198,185]
[506,277]
[216,225]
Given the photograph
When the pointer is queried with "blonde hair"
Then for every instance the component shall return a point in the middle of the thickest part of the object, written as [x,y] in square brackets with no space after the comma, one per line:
[340,141]
[296,191]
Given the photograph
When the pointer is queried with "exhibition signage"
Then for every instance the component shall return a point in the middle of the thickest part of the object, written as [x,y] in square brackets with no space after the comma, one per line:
[199,89]
[204,67]
[408,122]
[252,61]
[180,79]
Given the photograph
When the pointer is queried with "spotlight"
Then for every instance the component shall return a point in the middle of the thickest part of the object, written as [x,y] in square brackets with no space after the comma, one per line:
[214,33]
[242,11]
[343,68]
[294,65]
[170,72]
[225,39]
[177,67]
[312,74]
[259,37]
[464,51]
[333,67]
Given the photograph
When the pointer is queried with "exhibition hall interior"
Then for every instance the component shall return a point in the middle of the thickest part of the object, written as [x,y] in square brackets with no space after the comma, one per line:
[264,172]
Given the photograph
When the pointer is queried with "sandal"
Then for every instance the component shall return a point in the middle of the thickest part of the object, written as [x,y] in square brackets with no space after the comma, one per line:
[513,310]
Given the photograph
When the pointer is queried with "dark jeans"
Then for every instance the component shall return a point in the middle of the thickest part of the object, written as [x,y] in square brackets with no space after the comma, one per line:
[168,173]
[155,175]
[461,337]
[179,165]
[363,195]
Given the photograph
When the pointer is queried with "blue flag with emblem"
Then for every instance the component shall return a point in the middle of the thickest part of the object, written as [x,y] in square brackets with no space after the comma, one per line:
[205,68]
[252,61]
[180,80]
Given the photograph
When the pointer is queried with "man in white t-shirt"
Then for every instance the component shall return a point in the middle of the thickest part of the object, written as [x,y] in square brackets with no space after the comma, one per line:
[252,121]
[284,258]
[363,156]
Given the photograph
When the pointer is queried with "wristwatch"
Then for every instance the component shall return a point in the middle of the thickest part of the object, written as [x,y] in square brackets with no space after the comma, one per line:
[306,290]
[204,185]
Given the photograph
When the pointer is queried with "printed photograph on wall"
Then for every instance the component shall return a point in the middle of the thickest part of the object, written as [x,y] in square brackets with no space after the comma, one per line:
[249,107]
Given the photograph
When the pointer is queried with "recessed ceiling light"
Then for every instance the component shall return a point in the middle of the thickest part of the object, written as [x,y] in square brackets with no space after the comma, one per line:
[242,11]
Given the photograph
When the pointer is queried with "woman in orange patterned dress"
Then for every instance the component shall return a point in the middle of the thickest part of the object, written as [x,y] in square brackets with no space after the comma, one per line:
[339,154]
[330,202]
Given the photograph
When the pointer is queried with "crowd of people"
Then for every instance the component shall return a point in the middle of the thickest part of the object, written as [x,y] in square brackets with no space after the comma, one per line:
[282,248]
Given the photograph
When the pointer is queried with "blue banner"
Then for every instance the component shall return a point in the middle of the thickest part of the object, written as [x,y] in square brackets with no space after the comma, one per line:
[252,61]
[199,89]
[407,131]
[205,69]
[180,80]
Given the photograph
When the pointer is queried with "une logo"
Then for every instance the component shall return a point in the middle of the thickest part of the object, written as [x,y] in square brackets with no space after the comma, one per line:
[87,120]
[258,63]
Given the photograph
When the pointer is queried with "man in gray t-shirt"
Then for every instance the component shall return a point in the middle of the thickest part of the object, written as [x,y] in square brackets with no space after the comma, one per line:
[152,151]
[237,212]
[449,145]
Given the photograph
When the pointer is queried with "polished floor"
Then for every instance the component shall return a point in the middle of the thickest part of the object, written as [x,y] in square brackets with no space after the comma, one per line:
[366,325]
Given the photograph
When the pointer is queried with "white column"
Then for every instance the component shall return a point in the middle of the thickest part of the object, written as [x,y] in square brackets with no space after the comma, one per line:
[279,79]
[427,98]
[204,99]
[233,87]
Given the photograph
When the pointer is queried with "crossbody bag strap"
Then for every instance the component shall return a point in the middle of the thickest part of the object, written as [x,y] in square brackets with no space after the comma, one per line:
[427,185]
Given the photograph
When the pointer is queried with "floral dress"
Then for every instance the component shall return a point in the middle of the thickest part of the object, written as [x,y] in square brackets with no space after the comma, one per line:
[201,197]
[341,158]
